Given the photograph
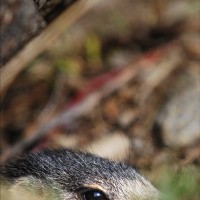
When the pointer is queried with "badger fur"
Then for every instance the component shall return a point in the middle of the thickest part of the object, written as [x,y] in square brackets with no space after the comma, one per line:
[72,175]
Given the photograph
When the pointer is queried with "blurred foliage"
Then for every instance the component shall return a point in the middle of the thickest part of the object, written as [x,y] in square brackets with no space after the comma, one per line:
[182,185]
[69,66]
[93,50]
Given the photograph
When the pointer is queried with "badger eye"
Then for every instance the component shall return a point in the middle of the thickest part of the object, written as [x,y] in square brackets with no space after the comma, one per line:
[94,195]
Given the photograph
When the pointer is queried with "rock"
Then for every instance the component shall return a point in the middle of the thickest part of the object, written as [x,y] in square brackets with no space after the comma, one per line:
[20,21]
[179,119]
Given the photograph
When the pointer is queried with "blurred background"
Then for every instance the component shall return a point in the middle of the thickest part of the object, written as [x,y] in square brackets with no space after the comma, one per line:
[123,82]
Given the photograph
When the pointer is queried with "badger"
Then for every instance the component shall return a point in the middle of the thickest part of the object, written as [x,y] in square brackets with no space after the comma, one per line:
[63,174]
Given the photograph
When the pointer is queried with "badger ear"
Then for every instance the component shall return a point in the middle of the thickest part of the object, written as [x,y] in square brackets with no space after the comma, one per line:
[28,188]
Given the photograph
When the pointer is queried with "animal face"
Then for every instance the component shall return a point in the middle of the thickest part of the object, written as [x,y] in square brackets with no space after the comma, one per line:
[68,175]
